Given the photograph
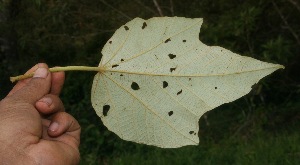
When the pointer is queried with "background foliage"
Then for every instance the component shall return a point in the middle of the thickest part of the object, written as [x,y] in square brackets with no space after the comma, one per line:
[260,128]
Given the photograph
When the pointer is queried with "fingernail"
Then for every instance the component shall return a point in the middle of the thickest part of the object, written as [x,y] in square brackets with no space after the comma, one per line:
[41,73]
[46,100]
[53,126]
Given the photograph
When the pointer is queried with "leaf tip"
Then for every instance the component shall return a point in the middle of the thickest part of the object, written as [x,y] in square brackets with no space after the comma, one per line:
[281,66]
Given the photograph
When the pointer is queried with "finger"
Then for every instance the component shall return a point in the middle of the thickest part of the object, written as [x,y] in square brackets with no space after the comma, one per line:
[57,82]
[36,88]
[23,83]
[49,104]
[63,122]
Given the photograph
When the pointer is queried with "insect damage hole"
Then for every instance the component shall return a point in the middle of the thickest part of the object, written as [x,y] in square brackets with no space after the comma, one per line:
[172,69]
[165,84]
[170,113]
[178,93]
[191,132]
[116,65]
[126,28]
[216,87]
[144,25]
[109,42]
[105,109]
[171,56]
[167,40]
[135,86]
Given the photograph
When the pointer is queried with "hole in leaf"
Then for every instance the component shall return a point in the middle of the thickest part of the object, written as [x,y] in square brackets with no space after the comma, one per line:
[190,79]
[116,65]
[216,87]
[105,109]
[165,84]
[168,40]
[195,133]
[172,69]
[126,28]
[144,25]
[170,113]
[183,40]
[122,59]
[135,86]
[121,74]
[178,93]
[172,56]
[110,42]
[191,132]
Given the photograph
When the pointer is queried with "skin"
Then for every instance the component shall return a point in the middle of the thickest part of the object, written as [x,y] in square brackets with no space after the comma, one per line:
[34,127]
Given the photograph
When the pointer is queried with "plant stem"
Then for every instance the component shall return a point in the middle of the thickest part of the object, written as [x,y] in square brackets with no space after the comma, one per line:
[59,69]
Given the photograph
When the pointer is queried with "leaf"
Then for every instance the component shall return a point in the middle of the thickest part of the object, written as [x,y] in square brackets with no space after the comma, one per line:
[158,79]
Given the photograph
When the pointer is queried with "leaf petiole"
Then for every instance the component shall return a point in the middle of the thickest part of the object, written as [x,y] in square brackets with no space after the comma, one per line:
[59,69]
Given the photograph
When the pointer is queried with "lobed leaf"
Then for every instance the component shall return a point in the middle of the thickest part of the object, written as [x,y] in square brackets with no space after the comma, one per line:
[159,79]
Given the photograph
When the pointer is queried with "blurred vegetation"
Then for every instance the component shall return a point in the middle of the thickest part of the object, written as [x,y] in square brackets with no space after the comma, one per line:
[260,128]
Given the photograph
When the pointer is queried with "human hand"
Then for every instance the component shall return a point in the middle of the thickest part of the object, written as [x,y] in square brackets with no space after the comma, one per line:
[34,129]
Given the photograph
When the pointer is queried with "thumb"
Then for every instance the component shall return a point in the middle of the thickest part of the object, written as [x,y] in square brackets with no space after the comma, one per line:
[36,88]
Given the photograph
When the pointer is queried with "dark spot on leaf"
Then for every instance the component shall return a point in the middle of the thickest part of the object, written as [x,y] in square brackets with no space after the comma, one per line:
[168,40]
[216,87]
[144,25]
[165,84]
[178,93]
[191,132]
[183,40]
[122,59]
[172,69]
[110,42]
[116,65]
[121,74]
[105,109]
[170,113]
[195,133]
[190,79]
[172,56]
[126,28]
[135,86]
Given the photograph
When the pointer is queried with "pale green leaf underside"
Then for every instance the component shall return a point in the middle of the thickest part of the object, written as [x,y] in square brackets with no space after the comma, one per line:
[178,77]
